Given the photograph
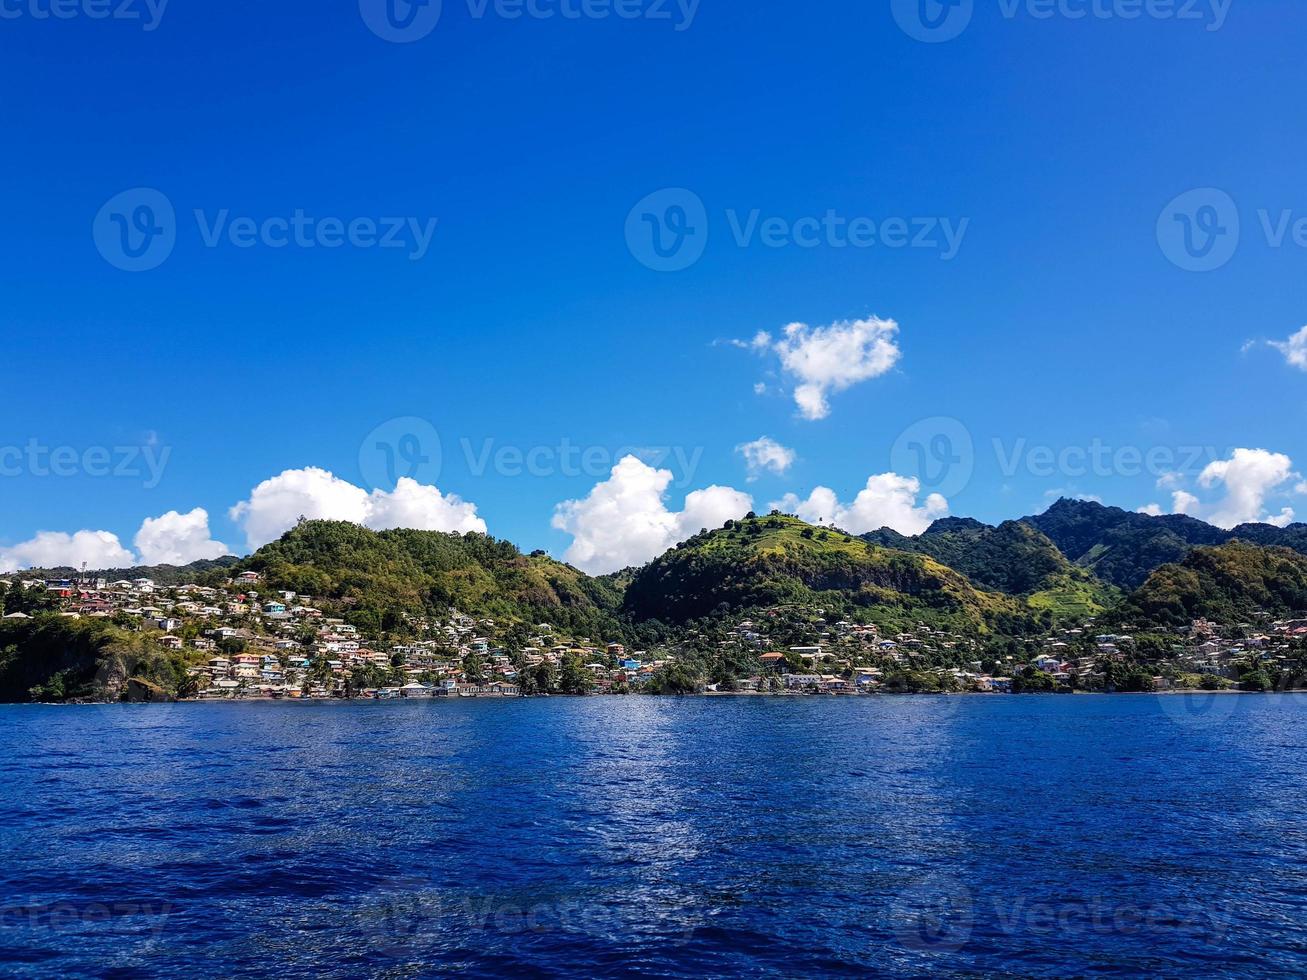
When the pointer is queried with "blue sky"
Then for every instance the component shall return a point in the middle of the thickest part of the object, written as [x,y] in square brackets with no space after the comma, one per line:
[1063,320]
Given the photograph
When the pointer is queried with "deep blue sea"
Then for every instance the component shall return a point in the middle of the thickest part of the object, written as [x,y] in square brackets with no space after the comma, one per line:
[907,837]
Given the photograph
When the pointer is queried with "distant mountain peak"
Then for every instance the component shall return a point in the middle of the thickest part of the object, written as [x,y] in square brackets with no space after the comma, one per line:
[946,525]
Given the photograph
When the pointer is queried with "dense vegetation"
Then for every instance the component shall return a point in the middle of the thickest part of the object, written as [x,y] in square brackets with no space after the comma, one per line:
[770,561]
[1013,558]
[1002,588]
[1229,583]
[376,578]
[1124,548]
[52,658]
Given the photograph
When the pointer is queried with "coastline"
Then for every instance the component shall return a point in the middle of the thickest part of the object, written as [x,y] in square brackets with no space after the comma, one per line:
[786,695]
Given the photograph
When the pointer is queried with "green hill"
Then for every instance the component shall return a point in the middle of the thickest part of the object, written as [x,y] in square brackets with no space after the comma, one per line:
[1013,558]
[1229,583]
[1123,548]
[375,577]
[775,560]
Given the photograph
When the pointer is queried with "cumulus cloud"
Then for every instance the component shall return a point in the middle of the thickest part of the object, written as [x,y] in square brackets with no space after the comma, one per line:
[423,507]
[766,455]
[1152,510]
[1294,349]
[625,519]
[277,503]
[51,549]
[1248,478]
[888,500]
[177,539]
[825,360]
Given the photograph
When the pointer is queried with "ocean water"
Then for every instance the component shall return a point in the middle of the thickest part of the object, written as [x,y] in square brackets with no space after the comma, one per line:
[905,837]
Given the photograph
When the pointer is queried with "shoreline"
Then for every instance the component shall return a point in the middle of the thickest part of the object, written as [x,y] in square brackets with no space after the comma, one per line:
[704,694]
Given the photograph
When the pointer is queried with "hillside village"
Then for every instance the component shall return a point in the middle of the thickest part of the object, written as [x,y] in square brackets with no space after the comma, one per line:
[240,640]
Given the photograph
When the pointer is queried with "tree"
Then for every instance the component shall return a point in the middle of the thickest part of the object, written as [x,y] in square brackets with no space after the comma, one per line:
[1034,681]
[1256,680]
[574,678]
[51,690]
[543,677]
[674,678]
[1136,680]
[474,669]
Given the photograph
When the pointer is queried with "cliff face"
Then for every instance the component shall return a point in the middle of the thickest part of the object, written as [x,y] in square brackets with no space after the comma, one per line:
[51,658]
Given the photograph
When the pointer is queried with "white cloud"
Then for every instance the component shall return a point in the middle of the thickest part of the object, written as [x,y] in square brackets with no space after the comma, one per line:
[765,454]
[1248,478]
[177,539]
[625,520]
[277,503]
[1283,519]
[420,506]
[825,360]
[1152,510]
[1294,349]
[889,500]
[50,549]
